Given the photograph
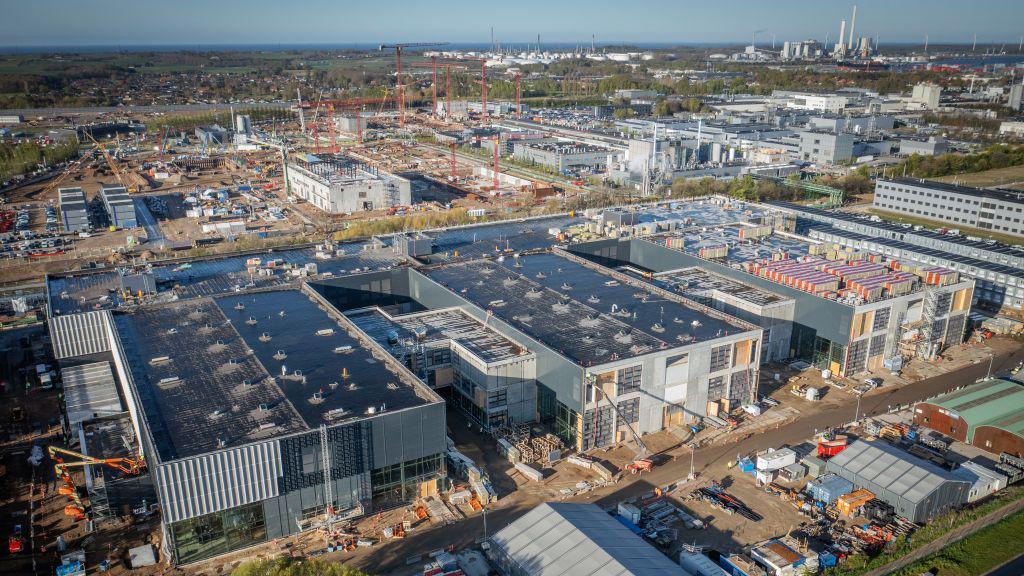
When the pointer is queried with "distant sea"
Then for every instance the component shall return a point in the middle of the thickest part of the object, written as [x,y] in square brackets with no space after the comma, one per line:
[517,46]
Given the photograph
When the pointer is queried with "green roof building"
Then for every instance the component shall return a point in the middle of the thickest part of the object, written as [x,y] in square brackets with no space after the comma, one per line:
[989,415]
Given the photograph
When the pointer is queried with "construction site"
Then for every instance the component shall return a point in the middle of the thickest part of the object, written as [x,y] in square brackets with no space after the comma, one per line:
[249,353]
[350,395]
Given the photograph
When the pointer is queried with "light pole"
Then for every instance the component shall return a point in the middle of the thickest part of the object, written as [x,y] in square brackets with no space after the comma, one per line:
[991,357]
[856,416]
[484,508]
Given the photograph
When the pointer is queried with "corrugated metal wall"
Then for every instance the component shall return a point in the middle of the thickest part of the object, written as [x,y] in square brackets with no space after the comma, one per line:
[218,481]
[80,334]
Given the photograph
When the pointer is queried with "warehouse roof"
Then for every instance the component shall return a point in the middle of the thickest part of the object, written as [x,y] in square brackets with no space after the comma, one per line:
[604,319]
[998,403]
[568,539]
[212,373]
[893,469]
[90,391]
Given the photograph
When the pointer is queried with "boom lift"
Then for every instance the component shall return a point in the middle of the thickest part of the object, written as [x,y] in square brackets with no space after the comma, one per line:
[129,466]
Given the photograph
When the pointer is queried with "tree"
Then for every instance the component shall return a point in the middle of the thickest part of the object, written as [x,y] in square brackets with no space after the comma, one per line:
[295,567]
[625,113]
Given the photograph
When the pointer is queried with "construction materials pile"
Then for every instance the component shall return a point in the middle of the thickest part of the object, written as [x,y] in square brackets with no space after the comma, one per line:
[714,495]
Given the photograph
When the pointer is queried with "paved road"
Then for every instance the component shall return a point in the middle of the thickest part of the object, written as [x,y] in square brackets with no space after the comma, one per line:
[392,556]
[152,227]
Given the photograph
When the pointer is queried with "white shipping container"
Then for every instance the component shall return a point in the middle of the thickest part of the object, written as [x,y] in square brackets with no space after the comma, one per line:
[629,512]
[776,459]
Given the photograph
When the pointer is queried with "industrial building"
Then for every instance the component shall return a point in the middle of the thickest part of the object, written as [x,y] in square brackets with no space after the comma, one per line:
[214,135]
[120,207]
[263,392]
[933,146]
[568,539]
[488,377]
[917,489]
[563,156]
[338,185]
[983,208]
[926,95]
[824,148]
[997,269]
[639,359]
[989,415]
[770,310]
[74,212]
[849,314]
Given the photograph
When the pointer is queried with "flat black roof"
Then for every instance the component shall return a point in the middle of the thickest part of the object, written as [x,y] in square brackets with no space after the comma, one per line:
[991,193]
[206,379]
[583,314]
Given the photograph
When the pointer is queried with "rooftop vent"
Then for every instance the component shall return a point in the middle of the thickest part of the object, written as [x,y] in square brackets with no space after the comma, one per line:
[219,412]
[696,324]
[264,337]
[160,360]
[594,299]
[657,327]
[533,293]
[222,442]
[239,306]
[264,407]
[541,275]
[325,332]
[280,355]
[335,413]
[343,349]
[496,303]
[251,321]
[623,338]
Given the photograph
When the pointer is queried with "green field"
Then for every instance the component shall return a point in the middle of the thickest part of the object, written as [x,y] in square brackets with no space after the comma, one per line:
[1012,177]
[977,554]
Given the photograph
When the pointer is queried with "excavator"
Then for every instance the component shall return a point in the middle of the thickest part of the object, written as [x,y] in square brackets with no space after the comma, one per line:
[76,510]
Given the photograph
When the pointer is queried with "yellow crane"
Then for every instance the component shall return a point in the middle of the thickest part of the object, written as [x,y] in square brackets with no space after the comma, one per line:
[113,164]
[129,466]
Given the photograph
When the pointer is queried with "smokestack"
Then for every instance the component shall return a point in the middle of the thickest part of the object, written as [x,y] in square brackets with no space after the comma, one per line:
[853,28]
[842,35]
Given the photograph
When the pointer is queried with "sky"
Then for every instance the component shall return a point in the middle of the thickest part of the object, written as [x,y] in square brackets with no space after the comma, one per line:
[26,23]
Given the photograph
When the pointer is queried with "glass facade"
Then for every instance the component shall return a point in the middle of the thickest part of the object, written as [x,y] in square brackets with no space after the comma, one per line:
[218,533]
[399,483]
[559,418]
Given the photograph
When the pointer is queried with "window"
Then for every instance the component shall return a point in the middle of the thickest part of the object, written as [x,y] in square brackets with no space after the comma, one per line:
[309,459]
[497,399]
[720,358]
[629,379]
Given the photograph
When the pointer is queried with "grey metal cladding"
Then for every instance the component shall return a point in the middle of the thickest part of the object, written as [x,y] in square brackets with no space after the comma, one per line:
[408,434]
[218,481]
[80,334]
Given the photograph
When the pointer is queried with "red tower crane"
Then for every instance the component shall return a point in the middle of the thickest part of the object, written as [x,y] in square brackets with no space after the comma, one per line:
[483,83]
[330,128]
[399,86]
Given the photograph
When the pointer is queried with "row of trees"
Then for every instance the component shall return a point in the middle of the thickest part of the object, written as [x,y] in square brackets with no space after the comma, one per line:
[995,156]
[23,157]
